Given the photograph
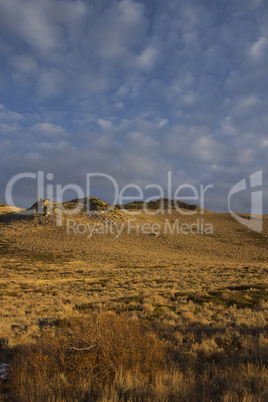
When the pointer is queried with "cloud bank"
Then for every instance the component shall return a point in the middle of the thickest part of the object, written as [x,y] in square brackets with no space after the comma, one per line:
[134,89]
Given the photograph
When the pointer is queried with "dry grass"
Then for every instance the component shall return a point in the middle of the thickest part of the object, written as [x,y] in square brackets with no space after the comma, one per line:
[84,357]
[204,299]
[104,356]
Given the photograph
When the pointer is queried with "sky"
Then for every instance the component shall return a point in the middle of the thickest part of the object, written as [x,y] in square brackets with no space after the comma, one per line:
[134,90]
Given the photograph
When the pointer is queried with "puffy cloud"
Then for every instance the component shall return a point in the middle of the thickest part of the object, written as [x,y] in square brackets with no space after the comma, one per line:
[145,61]
[40,24]
[259,47]
[9,116]
[105,124]
[48,129]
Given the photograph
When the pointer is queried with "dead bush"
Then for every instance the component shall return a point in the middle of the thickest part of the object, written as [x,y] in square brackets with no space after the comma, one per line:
[83,357]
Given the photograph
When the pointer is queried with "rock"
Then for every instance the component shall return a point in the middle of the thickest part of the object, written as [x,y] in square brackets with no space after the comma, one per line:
[43,207]
[3,371]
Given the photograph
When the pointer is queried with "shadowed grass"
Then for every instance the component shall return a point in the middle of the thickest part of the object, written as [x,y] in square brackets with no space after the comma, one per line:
[109,357]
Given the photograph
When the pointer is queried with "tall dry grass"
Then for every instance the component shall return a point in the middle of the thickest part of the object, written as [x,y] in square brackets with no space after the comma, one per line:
[84,358]
[108,357]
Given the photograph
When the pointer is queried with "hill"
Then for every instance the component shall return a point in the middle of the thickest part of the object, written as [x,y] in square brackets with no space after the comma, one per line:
[90,204]
[194,283]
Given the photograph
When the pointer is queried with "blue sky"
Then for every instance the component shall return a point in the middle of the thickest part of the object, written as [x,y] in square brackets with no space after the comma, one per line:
[134,89]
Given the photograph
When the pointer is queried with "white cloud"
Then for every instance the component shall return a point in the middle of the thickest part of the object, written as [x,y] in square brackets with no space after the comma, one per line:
[9,116]
[142,142]
[119,105]
[207,149]
[163,122]
[189,98]
[48,129]
[51,82]
[116,30]
[10,128]
[24,64]
[227,127]
[264,143]
[146,60]
[259,47]
[245,105]
[33,157]
[31,22]
[123,90]
[51,147]
[104,124]
[41,23]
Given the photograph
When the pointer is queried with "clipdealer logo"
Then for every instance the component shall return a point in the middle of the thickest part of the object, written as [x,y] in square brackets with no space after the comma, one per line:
[255,183]
[132,226]
[46,190]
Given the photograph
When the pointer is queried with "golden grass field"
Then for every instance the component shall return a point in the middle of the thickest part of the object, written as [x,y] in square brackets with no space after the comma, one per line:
[202,297]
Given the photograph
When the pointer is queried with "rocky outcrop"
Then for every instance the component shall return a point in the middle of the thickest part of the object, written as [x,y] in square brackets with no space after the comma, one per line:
[163,203]
[43,207]
[93,205]
[87,204]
